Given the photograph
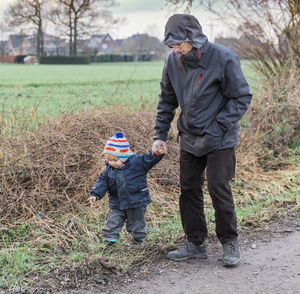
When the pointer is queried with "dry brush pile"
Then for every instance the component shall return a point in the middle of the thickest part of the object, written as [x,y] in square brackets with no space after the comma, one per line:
[273,123]
[53,169]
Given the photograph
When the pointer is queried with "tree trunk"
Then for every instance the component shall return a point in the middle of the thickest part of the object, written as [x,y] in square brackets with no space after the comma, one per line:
[75,36]
[70,39]
[38,44]
[40,41]
[70,33]
[71,42]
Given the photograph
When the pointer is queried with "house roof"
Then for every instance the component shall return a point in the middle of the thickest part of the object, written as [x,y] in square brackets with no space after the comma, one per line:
[99,36]
[96,40]
[120,42]
[138,36]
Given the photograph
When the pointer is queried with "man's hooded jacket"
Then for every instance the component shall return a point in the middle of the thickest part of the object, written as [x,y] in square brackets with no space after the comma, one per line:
[208,85]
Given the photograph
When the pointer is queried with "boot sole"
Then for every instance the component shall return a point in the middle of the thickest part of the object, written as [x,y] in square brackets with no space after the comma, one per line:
[203,256]
[229,264]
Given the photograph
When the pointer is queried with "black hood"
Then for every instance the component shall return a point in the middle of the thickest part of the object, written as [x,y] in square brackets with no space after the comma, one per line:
[184,27]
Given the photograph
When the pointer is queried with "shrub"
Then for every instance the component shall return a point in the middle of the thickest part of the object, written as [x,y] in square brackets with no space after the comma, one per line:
[20,58]
[112,58]
[144,57]
[274,121]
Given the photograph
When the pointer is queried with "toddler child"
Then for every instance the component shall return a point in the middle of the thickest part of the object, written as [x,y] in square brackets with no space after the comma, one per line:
[125,179]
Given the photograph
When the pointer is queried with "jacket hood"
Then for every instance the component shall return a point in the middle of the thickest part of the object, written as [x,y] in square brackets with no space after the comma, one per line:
[184,27]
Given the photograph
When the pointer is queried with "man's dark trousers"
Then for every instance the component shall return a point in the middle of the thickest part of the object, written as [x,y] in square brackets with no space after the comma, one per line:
[220,169]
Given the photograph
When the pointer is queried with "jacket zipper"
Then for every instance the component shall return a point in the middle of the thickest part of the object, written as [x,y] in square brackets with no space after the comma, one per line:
[179,63]
[199,80]
[196,86]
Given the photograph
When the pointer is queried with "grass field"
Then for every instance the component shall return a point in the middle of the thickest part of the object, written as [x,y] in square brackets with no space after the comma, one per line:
[37,92]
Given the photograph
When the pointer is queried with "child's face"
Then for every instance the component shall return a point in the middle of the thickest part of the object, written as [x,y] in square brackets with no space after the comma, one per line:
[113,161]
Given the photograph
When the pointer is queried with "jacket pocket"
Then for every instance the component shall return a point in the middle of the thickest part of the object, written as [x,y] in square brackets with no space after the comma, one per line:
[214,129]
[207,143]
[197,82]
[138,187]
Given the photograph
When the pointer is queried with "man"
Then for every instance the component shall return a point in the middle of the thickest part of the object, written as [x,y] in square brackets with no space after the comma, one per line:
[207,82]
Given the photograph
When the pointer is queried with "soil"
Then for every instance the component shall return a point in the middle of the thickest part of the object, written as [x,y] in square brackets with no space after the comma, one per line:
[270,263]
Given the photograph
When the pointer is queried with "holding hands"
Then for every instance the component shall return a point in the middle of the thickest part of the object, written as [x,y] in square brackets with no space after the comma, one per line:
[159,147]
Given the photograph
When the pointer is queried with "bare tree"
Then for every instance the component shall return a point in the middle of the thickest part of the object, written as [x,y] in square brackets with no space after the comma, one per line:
[269,29]
[28,12]
[153,30]
[80,17]
[3,31]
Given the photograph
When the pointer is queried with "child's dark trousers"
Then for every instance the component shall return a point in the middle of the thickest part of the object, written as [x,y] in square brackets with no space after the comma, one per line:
[135,224]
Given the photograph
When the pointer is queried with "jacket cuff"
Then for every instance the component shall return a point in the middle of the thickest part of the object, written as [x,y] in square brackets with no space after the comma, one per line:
[161,136]
[97,197]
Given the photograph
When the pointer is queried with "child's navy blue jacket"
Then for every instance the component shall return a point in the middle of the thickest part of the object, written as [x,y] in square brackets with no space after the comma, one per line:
[126,185]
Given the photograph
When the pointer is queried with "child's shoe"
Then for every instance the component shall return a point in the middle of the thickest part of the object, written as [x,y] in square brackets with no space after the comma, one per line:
[109,243]
[137,243]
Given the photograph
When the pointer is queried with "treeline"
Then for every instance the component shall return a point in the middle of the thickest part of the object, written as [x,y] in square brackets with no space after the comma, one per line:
[82,15]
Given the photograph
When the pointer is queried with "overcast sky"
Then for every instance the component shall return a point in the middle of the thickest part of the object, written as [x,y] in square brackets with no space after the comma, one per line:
[148,16]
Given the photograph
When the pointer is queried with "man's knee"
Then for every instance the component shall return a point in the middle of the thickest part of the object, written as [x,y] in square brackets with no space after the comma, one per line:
[191,185]
[216,183]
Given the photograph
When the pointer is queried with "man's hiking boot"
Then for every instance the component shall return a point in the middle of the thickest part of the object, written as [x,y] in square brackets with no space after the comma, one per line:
[188,250]
[231,255]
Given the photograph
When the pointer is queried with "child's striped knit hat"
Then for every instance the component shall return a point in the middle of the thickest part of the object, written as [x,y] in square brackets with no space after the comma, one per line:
[118,145]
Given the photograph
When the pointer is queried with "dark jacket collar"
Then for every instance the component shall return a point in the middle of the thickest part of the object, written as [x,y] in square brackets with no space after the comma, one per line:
[194,57]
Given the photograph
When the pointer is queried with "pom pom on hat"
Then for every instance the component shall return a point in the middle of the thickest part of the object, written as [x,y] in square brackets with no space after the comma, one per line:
[119,135]
[118,146]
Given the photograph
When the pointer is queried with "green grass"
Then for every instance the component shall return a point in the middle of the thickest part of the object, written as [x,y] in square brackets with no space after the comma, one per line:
[254,79]
[29,94]
[295,145]
[16,263]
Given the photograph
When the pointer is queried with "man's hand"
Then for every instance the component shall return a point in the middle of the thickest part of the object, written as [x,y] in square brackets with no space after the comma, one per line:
[159,147]
[92,200]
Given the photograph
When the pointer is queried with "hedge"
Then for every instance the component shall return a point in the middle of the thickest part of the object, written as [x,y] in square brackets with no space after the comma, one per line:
[65,60]
[144,57]
[20,58]
[112,58]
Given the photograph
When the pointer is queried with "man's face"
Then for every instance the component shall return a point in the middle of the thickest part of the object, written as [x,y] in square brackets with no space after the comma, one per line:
[182,48]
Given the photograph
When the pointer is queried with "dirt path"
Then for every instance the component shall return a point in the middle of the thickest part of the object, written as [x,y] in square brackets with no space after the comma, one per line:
[270,265]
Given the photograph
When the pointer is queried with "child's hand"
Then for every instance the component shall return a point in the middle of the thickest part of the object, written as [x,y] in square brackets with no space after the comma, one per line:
[92,200]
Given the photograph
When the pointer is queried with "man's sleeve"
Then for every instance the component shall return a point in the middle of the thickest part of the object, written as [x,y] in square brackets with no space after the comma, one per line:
[236,89]
[167,104]
[101,185]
